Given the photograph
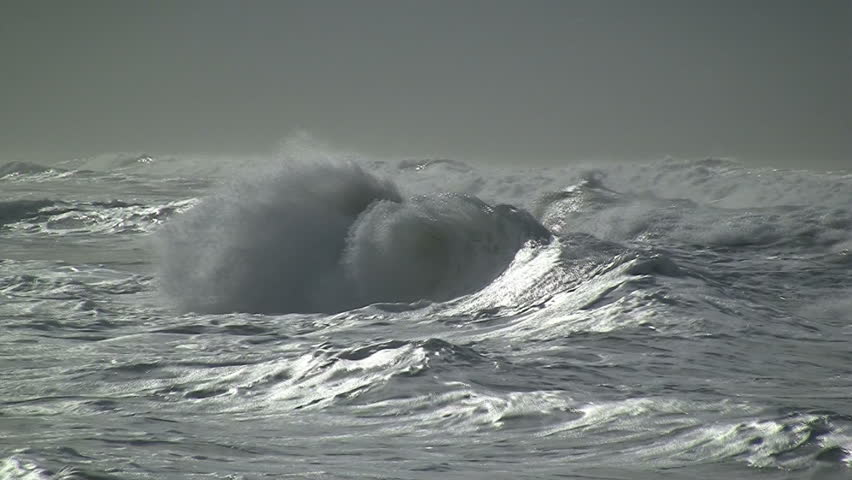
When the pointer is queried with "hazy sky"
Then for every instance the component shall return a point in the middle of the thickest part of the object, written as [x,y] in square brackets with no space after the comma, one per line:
[526,81]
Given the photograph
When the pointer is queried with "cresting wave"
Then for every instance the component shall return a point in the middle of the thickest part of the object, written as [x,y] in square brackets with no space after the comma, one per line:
[328,236]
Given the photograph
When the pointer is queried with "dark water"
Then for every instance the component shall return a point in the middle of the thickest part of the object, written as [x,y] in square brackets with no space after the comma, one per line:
[423,319]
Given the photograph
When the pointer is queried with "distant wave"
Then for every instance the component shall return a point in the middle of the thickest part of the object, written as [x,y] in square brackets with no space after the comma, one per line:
[23,168]
[60,217]
[15,210]
[327,237]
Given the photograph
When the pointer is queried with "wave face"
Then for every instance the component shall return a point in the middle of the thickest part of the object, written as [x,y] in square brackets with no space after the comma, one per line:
[434,247]
[325,237]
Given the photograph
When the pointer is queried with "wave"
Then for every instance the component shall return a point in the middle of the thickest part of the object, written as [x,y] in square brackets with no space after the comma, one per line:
[58,217]
[645,217]
[434,247]
[23,168]
[328,236]
[15,210]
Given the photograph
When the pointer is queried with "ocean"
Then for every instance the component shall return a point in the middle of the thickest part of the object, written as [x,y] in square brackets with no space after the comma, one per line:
[324,316]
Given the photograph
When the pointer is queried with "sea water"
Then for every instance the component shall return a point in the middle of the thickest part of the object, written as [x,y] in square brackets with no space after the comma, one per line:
[313,316]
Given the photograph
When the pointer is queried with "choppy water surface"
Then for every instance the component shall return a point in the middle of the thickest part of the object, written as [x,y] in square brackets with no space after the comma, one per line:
[181,318]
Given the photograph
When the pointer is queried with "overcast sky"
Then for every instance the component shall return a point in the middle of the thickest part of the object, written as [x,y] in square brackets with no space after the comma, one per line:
[767,82]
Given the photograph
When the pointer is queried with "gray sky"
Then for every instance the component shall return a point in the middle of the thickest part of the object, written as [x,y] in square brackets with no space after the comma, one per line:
[768,82]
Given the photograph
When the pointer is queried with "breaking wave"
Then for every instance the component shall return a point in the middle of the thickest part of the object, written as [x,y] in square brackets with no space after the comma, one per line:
[329,236]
